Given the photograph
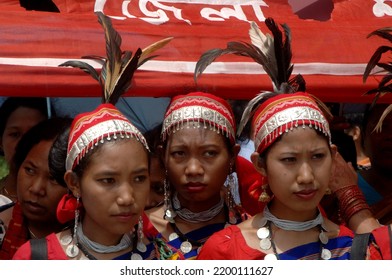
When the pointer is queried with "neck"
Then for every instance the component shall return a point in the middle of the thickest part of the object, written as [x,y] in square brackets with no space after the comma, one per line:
[40,230]
[291,215]
[198,206]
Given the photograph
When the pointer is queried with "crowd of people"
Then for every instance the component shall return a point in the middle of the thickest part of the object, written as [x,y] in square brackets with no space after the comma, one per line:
[95,187]
[86,185]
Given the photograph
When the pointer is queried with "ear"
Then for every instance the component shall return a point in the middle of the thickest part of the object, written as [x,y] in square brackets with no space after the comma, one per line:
[356,132]
[72,181]
[334,150]
[259,163]
[235,150]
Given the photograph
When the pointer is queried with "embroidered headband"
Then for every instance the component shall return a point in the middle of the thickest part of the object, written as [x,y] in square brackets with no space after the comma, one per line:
[90,129]
[284,112]
[199,108]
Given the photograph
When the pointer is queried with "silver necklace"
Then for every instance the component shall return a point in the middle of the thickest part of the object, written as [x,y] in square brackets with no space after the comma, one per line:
[292,225]
[192,217]
[125,243]
[264,233]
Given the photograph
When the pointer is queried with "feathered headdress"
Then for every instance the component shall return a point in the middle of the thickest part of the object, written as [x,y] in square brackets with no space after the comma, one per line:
[385,85]
[273,53]
[119,66]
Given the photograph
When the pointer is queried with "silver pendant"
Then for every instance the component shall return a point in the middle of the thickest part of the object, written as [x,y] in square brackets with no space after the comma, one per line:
[136,257]
[326,254]
[270,257]
[65,239]
[72,251]
[265,244]
[173,236]
[141,247]
[323,237]
[263,232]
[170,215]
[186,247]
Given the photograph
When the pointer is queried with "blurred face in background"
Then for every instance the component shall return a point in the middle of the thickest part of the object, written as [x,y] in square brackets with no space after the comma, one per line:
[18,123]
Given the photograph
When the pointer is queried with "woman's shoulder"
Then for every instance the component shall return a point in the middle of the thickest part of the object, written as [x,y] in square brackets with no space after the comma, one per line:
[53,248]
[228,244]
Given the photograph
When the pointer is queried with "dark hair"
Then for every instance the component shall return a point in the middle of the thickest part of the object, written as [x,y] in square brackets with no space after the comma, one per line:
[238,107]
[346,146]
[11,104]
[58,156]
[153,138]
[44,131]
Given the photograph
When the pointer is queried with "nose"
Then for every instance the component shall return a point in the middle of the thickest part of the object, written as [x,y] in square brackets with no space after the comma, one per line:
[305,174]
[38,186]
[126,195]
[194,167]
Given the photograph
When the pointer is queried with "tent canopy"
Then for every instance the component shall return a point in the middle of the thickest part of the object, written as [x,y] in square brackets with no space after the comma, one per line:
[331,55]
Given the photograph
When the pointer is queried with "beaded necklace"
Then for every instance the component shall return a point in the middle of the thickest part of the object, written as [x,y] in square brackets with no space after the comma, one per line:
[186,243]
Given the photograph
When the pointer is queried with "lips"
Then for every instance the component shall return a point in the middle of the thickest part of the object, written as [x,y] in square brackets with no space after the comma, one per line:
[195,187]
[34,207]
[306,194]
[124,217]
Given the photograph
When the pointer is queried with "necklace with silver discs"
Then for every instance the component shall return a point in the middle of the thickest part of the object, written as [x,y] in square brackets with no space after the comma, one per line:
[264,233]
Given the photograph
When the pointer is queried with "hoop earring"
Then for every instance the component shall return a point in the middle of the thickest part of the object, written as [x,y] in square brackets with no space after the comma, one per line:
[72,249]
[170,214]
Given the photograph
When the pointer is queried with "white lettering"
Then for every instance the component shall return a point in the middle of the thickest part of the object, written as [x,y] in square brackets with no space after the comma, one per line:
[381,8]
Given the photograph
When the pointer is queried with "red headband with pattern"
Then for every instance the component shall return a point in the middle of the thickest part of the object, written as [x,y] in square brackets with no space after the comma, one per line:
[105,123]
[284,112]
[202,109]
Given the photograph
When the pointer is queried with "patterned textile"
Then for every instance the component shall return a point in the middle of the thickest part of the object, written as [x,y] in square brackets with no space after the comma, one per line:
[160,248]
[55,250]
[229,244]
[204,110]
[91,128]
[284,112]
[16,235]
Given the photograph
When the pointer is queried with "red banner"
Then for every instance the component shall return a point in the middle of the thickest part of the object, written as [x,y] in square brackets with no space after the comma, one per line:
[331,55]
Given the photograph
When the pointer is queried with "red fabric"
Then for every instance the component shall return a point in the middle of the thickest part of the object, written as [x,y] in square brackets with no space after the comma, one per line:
[66,208]
[384,241]
[55,251]
[268,125]
[250,181]
[174,116]
[16,234]
[326,53]
[229,244]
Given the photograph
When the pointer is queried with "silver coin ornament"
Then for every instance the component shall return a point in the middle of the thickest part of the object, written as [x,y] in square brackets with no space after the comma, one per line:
[136,257]
[66,239]
[186,247]
[326,254]
[141,247]
[270,257]
[173,236]
[323,237]
[263,232]
[265,244]
[72,251]
[170,215]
